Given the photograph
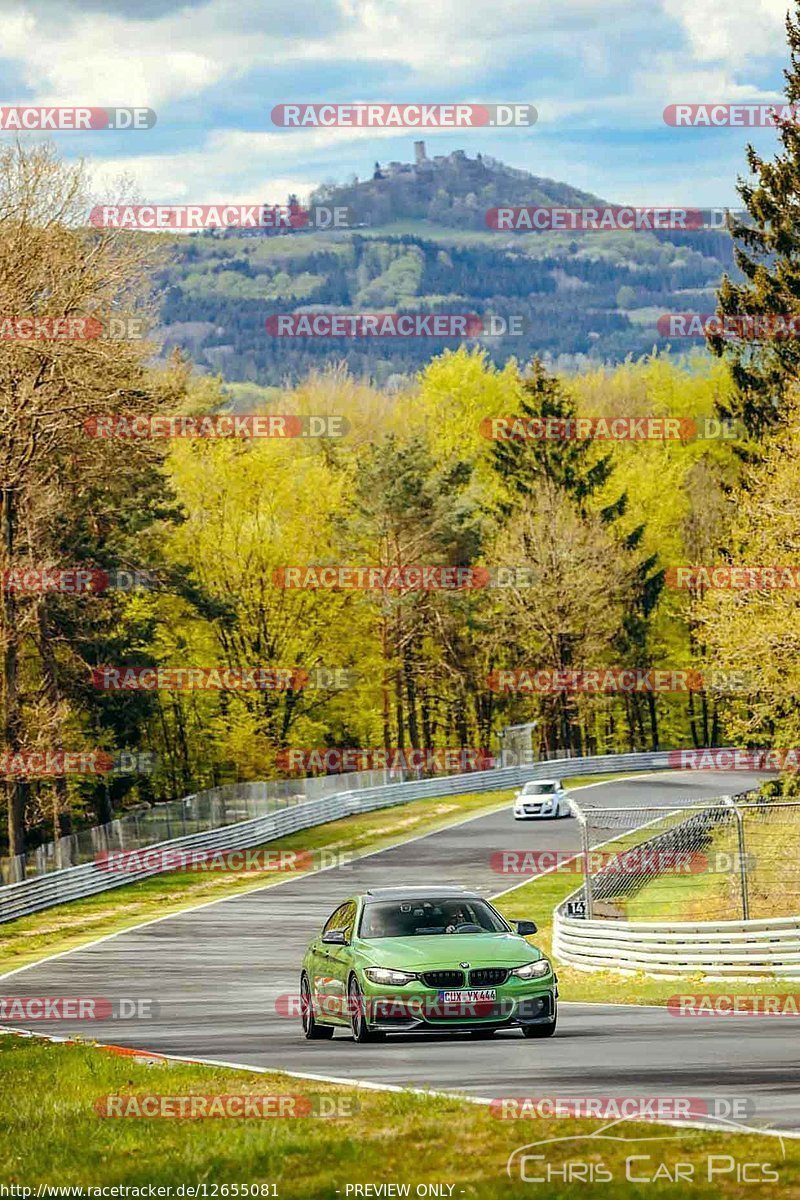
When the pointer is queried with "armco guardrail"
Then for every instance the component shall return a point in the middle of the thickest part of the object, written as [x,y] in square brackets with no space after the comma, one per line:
[736,949]
[202,812]
[57,887]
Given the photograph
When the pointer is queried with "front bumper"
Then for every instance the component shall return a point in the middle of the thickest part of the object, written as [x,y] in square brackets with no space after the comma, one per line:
[416,1007]
[538,813]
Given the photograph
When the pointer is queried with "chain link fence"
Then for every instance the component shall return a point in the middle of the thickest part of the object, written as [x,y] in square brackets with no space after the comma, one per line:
[216,808]
[322,800]
[737,859]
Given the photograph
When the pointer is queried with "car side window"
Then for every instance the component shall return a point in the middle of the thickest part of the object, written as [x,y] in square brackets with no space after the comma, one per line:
[337,919]
[348,912]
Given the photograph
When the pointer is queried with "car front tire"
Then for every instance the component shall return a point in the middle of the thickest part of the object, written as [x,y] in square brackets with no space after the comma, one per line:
[358,1015]
[312,1030]
[545,1030]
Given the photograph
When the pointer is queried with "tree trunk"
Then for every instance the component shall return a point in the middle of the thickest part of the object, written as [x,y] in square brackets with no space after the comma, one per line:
[651,704]
[62,821]
[411,697]
[16,790]
[385,697]
[692,720]
[399,713]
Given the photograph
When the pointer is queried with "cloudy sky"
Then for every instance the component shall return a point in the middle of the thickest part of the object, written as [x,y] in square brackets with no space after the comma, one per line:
[600,73]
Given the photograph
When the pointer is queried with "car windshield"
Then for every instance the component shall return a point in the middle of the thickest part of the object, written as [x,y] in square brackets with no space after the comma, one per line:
[538,789]
[417,918]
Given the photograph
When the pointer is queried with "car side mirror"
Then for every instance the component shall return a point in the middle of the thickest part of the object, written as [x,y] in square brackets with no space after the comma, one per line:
[335,937]
[525,928]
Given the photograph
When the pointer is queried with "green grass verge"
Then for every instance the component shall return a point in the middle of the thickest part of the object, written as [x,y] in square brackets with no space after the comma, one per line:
[772,846]
[81,921]
[53,1135]
[703,896]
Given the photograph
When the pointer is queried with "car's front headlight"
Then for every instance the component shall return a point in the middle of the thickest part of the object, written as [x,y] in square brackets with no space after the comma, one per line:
[534,970]
[385,975]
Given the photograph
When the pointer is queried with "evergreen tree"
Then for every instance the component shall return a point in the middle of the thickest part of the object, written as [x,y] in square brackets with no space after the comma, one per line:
[574,468]
[572,464]
[767,252]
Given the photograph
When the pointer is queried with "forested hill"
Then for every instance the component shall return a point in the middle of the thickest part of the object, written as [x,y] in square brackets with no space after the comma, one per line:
[451,190]
[422,245]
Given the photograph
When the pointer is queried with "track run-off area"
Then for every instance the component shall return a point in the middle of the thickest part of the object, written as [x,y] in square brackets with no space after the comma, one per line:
[223,976]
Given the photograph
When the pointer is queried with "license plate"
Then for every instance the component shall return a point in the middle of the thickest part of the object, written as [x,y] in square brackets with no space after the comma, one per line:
[468,995]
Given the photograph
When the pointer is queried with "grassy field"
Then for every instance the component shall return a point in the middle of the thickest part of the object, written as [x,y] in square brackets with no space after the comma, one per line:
[772,846]
[705,896]
[81,921]
[54,1134]
[429,231]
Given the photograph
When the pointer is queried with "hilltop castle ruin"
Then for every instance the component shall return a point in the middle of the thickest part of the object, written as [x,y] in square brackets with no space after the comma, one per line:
[421,164]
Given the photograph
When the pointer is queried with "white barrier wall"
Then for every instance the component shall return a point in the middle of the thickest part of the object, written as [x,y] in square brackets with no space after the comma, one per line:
[733,949]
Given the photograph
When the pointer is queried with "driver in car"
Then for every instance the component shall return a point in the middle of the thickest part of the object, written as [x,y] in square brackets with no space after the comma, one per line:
[457,918]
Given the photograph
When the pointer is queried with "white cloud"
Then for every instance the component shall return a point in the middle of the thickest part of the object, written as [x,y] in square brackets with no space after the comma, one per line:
[107,58]
[612,65]
[188,178]
[243,160]
[671,80]
[735,32]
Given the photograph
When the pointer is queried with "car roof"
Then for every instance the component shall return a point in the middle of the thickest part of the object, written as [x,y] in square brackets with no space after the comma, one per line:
[537,781]
[420,893]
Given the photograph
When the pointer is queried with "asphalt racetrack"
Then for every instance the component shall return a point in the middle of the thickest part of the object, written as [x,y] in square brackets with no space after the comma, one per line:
[223,975]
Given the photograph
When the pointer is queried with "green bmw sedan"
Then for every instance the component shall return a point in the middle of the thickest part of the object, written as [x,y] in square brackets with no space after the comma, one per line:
[403,960]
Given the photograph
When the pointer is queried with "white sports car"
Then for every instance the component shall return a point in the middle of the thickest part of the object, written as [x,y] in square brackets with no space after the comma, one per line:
[540,799]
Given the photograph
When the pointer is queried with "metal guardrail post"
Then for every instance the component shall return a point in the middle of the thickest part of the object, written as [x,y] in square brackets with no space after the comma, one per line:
[742,856]
[587,878]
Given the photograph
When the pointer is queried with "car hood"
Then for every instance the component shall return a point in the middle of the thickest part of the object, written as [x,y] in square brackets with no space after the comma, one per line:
[449,949]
